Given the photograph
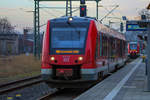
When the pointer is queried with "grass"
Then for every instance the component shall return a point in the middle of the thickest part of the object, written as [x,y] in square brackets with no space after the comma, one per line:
[18,67]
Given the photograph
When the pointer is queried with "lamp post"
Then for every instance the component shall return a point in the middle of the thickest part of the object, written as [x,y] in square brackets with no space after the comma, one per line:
[148,59]
[146,23]
[148,53]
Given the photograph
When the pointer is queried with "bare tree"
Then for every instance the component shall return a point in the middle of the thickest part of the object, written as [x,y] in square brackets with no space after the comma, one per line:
[145,12]
[5,26]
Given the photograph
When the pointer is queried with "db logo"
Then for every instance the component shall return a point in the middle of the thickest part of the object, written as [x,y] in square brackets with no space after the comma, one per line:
[66,58]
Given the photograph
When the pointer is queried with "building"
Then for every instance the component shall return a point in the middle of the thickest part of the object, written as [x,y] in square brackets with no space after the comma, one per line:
[9,44]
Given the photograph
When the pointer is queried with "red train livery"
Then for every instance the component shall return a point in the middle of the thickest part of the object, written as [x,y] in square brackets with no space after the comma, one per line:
[80,50]
[133,49]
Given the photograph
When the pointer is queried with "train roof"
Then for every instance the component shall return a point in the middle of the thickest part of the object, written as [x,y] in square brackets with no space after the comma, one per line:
[75,18]
[111,32]
[102,28]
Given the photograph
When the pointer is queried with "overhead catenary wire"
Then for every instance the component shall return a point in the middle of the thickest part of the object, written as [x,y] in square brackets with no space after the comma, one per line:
[44,6]
[109,13]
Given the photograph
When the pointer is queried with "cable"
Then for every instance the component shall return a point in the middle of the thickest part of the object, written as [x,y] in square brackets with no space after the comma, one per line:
[49,13]
[45,10]
[109,13]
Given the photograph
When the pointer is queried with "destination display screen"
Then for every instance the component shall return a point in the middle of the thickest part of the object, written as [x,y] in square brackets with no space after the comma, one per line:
[134,27]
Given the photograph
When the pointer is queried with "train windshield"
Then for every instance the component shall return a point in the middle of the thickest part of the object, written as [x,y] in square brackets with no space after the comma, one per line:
[133,46]
[68,37]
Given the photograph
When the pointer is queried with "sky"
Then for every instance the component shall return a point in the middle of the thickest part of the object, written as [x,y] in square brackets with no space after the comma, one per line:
[18,11]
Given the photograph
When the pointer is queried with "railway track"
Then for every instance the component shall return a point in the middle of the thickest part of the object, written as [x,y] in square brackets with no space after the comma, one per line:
[47,96]
[60,94]
[68,93]
[19,84]
[63,94]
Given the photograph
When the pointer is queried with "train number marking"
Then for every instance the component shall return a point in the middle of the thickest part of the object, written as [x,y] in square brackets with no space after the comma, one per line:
[66,58]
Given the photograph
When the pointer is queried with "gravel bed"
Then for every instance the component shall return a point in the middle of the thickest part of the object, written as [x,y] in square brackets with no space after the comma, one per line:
[28,93]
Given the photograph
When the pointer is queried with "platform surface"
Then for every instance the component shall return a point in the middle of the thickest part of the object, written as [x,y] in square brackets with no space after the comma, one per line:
[126,84]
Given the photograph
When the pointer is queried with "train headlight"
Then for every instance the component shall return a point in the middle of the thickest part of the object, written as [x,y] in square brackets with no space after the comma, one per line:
[52,58]
[80,58]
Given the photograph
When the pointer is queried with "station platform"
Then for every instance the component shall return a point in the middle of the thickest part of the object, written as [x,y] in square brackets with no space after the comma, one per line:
[126,84]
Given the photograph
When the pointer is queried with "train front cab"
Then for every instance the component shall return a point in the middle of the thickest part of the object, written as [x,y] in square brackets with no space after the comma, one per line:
[133,49]
[69,51]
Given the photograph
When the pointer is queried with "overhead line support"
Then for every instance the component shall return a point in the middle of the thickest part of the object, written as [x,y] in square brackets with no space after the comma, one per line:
[68,8]
[36,30]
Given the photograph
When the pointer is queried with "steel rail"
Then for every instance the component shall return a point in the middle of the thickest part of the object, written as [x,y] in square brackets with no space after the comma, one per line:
[47,96]
[55,91]
[19,84]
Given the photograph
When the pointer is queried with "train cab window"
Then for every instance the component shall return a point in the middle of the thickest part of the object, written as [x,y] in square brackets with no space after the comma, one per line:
[133,46]
[68,37]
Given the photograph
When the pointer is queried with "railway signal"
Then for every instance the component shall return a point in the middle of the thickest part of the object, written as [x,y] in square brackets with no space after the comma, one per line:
[82,10]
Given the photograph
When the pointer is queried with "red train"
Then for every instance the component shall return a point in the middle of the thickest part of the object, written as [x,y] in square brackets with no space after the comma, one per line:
[80,50]
[133,49]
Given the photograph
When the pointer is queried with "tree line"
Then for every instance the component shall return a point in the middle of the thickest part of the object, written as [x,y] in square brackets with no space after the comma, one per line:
[145,12]
[5,26]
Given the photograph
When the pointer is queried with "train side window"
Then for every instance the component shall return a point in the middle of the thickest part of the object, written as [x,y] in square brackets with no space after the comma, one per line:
[96,47]
[118,53]
[122,48]
[114,48]
[111,46]
[119,47]
[101,44]
[104,46]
